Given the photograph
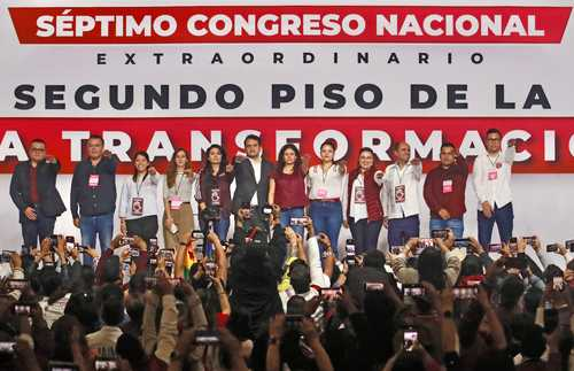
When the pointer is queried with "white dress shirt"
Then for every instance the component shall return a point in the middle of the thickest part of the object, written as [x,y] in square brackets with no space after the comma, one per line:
[394,176]
[328,185]
[146,189]
[257,165]
[492,177]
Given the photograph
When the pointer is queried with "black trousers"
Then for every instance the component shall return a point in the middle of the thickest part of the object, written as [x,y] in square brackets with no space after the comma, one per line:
[145,227]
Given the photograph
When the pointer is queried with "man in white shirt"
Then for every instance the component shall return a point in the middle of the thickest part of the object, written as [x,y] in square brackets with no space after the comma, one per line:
[401,196]
[491,179]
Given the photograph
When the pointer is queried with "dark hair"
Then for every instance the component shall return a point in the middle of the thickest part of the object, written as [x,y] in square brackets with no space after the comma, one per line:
[129,347]
[329,142]
[50,281]
[281,161]
[172,168]
[135,308]
[374,258]
[207,166]
[493,130]
[82,305]
[113,312]
[533,343]
[406,361]
[62,329]
[430,267]
[96,137]
[367,149]
[447,144]
[145,155]
[254,138]
[512,289]
[38,140]
[300,277]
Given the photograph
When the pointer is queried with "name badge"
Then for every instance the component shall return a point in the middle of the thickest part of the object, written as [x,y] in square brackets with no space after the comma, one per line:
[447,186]
[176,203]
[321,193]
[215,197]
[94,180]
[400,194]
[492,175]
[137,206]
[359,195]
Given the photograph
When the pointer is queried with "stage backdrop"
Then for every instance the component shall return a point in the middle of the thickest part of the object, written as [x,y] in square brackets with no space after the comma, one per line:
[158,75]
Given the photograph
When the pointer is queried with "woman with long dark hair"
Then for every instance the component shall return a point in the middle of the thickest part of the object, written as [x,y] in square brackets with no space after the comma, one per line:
[287,187]
[213,191]
[138,201]
[327,183]
[364,210]
[178,214]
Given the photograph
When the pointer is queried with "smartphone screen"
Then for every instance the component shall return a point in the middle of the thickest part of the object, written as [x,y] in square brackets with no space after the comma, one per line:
[409,339]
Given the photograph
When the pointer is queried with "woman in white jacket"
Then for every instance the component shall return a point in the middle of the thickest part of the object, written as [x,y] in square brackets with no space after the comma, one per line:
[138,200]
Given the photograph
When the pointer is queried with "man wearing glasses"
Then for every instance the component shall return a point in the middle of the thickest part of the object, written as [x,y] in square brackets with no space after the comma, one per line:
[33,190]
[492,178]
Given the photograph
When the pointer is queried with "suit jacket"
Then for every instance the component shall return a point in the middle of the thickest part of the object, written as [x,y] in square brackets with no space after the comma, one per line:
[51,204]
[246,184]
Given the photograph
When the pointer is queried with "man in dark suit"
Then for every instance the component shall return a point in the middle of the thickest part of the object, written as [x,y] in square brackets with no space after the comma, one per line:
[33,190]
[252,176]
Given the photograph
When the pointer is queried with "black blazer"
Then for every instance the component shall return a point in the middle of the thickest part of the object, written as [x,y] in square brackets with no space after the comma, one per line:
[246,184]
[51,204]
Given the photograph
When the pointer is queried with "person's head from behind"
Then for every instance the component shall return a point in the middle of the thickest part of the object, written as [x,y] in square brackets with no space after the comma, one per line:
[216,156]
[141,164]
[112,272]
[95,147]
[533,343]
[50,281]
[62,329]
[300,277]
[512,288]
[135,306]
[366,159]
[82,305]
[409,361]
[447,155]
[401,152]
[471,266]
[289,156]
[327,150]
[374,258]
[131,354]
[113,312]
[37,150]
[252,146]
[493,140]
[430,266]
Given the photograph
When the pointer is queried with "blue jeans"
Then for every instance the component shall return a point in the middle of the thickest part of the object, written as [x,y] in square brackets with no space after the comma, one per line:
[221,228]
[365,234]
[32,231]
[287,214]
[504,219]
[102,226]
[327,218]
[400,230]
[455,224]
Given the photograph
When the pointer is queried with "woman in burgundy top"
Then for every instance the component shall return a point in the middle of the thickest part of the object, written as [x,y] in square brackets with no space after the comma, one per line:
[287,187]
[364,209]
[213,191]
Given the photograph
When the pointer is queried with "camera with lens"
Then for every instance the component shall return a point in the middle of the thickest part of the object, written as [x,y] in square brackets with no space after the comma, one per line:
[211,213]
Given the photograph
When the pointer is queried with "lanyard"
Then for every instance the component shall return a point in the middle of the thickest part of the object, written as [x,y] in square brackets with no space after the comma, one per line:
[493,163]
[139,186]
[324,174]
[400,175]
[179,183]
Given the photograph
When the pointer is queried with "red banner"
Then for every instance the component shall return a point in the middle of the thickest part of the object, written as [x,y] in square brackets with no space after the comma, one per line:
[544,143]
[289,24]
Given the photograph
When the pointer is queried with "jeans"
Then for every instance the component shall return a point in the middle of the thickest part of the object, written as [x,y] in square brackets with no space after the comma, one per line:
[32,231]
[455,224]
[327,218]
[221,228]
[365,234]
[90,226]
[504,219]
[400,230]
[288,214]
